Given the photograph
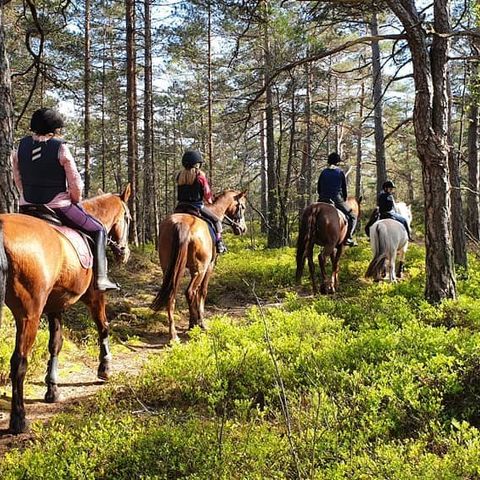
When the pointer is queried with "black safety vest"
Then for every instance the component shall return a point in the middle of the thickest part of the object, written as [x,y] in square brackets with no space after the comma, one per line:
[190,193]
[43,178]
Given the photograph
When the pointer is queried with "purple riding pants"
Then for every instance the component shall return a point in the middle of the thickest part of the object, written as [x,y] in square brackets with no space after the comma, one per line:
[74,216]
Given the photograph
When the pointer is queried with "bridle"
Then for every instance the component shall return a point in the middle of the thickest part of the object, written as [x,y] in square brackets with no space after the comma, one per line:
[234,220]
[119,248]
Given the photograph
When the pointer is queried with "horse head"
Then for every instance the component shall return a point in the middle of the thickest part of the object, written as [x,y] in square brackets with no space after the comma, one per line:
[118,234]
[112,210]
[235,211]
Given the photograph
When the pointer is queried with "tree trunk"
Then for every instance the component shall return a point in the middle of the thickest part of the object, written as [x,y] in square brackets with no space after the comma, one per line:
[86,92]
[7,189]
[430,123]
[149,198]
[132,116]
[358,174]
[274,238]
[305,177]
[263,171]
[210,99]
[473,211]
[378,108]
[458,221]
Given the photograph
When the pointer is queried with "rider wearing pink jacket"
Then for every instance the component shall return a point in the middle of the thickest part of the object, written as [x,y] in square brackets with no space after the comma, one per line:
[45,173]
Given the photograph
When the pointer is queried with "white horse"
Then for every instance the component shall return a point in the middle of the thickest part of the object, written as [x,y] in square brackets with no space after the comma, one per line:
[388,238]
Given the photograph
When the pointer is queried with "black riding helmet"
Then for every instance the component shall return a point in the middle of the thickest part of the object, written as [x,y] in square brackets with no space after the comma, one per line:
[388,184]
[334,158]
[191,158]
[45,120]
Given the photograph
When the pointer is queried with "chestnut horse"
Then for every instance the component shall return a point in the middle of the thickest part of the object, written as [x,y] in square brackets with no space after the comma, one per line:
[40,273]
[322,224]
[185,242]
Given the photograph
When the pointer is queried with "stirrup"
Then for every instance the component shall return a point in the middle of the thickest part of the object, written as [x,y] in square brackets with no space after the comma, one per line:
[221,247]
[105,285]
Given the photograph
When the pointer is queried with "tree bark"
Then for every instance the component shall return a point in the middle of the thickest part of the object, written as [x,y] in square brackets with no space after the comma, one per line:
[274,238]
[86,92]
[473,210]
[210,99]
[305,177]
[132,116]
[149,198]
[458,221]
[7,189]
[358,174]
[378,107]
[430,123]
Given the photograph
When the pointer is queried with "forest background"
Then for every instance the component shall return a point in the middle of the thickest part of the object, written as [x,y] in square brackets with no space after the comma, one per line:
[265,90]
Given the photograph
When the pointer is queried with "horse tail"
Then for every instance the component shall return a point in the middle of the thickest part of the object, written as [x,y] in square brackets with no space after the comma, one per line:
[307,223]
[379,247]
[175,269]
[3,271]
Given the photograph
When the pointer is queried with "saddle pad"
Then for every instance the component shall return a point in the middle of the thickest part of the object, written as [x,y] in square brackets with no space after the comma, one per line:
[79,243]
[190,210]
[342,217]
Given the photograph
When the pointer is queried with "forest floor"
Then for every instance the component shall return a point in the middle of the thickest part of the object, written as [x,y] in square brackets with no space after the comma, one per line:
[136,334]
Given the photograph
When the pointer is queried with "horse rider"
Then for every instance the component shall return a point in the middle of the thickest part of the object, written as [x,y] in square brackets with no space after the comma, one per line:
[194,190]
[45,173]
[332,188]
[386,208]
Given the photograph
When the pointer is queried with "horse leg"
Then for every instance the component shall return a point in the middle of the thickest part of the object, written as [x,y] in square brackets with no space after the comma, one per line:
[311,269]
[54,346]
[323,272]
[27,327]
[191,295]
[401,262]
[327,284]
[391,267]
[202,295]
[336,265]
[95,301]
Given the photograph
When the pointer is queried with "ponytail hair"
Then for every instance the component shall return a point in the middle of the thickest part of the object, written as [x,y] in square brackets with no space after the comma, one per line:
[187,176]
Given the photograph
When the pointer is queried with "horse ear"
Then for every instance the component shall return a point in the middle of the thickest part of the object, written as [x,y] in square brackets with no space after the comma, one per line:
[100,191]
[241,194]
[126,193]
[360,198]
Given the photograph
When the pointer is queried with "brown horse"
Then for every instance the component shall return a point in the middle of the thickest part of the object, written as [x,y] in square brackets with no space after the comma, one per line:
[322,224]
[40,273]
[185,242]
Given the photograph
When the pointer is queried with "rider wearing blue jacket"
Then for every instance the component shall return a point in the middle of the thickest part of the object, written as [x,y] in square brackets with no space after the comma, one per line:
[332,188]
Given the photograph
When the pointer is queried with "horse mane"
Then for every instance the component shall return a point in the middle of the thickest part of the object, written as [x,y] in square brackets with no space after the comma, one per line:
[403,209]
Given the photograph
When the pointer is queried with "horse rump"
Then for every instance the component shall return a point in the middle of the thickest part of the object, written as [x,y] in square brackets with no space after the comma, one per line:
[176,267]
[379,247]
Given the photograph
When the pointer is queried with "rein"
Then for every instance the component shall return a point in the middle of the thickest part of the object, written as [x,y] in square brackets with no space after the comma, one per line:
[235,221]
[119,247]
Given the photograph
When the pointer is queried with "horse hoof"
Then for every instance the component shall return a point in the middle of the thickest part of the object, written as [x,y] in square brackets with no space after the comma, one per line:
[52,395]
[103,372]
[19,425]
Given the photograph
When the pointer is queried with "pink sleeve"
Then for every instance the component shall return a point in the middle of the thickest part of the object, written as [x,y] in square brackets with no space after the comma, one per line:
[16,171]
[207,193]
[74,181]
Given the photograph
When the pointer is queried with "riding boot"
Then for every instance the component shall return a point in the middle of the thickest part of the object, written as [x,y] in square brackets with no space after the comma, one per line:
[102,282]
[349,241]
[221,247]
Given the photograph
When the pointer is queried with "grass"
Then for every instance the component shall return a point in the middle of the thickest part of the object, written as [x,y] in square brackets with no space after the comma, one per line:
[370,383]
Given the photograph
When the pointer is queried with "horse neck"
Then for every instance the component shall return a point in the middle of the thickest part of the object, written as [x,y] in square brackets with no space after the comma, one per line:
[220,205]
[96,207]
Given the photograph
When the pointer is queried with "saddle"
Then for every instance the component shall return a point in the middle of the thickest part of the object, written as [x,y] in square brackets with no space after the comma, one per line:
[196,212]
[79,240]
[342,217]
